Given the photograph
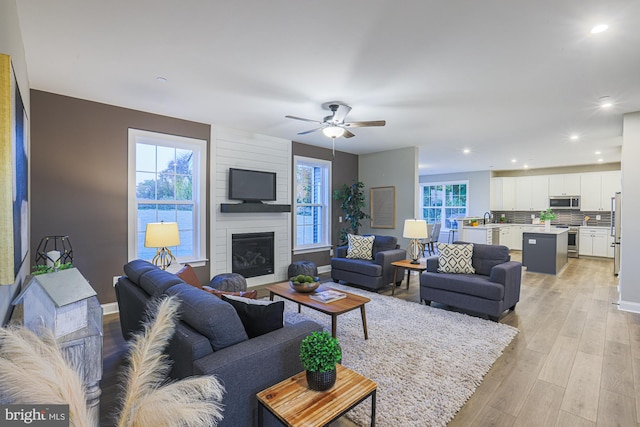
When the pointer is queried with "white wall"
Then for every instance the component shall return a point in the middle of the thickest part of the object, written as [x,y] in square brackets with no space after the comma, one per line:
[238,149]
[11,44]
[630,230]
[478,192]
[397,168]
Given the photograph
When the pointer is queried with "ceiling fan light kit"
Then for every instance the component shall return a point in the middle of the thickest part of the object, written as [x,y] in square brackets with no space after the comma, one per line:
[333,131]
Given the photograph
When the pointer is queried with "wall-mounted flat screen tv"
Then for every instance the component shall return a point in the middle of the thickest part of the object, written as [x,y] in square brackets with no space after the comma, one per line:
[252,186]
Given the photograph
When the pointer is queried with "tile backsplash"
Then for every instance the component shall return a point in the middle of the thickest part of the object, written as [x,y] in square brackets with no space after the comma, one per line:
[568,217]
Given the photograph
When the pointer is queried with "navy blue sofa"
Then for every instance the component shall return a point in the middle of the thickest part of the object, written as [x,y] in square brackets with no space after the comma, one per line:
[210,339]
[494,288]
[371,274]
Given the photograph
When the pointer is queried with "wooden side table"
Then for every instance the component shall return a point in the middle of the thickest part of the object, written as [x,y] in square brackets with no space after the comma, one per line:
[295,404]
[406,263]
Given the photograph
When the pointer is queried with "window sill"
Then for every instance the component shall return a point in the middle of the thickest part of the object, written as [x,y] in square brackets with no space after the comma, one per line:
[311,250]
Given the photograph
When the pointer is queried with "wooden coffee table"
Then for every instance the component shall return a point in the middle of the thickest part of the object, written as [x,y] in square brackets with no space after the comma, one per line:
[406,263]
[351,302]
[295,404]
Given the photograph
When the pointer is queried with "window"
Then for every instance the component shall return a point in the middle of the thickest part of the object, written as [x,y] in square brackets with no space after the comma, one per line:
[444,202]
[312,204]
[167,176]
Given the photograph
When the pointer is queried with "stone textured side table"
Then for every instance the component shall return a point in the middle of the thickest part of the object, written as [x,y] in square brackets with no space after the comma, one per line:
[306,268]
[232,282]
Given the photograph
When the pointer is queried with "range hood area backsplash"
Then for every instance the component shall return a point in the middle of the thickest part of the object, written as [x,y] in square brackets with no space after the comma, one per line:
[564,217]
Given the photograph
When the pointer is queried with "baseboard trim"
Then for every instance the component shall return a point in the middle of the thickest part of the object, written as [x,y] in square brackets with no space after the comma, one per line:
[632,307]
[110,308]
[324,269]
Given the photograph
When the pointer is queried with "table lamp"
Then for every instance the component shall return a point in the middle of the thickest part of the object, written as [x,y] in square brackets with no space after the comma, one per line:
[161,235]
[415,229]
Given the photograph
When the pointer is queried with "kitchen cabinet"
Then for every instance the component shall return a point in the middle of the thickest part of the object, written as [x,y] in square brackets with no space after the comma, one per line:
[597,189]
[593,241]
[477,235]
[505,236]
[503,194]
[564,184]
[516,237]
[532,193]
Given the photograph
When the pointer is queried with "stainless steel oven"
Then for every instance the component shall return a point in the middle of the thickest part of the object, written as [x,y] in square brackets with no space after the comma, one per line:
[573,244]
[573,240]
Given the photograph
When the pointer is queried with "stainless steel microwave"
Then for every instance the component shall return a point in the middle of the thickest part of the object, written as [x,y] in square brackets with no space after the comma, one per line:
[564,202]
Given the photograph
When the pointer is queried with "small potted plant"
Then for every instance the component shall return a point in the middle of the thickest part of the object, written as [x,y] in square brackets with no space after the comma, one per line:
[319,354]
[547,216]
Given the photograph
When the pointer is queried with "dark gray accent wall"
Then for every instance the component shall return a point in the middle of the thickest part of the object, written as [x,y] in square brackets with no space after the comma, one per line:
[344,170]
[79,179]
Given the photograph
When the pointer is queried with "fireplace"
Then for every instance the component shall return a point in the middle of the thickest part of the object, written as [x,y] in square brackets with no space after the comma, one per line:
[252,254]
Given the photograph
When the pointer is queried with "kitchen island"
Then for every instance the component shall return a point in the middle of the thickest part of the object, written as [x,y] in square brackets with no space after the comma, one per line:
[544,251]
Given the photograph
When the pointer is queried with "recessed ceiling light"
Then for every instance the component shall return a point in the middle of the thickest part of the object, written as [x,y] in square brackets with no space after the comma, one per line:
[600,160]
[160,79]
[466,151]
[598,152]
[599,28]
[525,166]
[605,102]
[574,137]
[514,160]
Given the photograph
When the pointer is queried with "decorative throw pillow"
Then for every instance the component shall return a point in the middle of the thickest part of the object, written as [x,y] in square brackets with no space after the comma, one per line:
[245,294]
[188,275]
[257,316]
[455,258]
[360,247]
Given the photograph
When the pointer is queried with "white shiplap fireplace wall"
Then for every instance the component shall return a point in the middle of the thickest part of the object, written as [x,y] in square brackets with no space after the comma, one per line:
[244,150]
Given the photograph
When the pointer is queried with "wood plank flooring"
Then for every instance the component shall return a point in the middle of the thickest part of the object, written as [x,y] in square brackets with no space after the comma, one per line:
[575,362]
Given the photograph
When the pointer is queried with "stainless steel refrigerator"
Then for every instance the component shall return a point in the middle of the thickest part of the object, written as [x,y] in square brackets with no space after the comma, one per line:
[615,231]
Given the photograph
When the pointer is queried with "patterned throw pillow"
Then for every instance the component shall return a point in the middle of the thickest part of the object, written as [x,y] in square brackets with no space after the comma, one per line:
[455,258]
[360,247]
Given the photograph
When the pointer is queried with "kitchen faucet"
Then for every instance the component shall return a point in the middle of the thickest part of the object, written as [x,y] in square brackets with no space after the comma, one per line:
[484,218]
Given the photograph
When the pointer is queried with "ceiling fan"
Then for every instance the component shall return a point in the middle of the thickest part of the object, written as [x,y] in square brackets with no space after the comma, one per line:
[334,125]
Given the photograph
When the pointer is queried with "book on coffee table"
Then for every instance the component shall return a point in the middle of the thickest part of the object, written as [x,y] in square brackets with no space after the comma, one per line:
[327,296]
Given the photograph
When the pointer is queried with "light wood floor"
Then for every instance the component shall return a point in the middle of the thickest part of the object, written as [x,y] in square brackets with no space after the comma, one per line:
[575,362]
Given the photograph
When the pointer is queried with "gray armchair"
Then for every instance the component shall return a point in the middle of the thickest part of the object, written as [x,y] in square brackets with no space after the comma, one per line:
[494,288]
[372,274]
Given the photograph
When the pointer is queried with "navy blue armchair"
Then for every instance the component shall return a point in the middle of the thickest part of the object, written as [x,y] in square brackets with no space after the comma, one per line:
[494,288]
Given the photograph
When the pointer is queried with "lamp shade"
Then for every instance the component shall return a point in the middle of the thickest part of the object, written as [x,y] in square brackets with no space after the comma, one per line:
[333,131]
[161,235]
[415,229]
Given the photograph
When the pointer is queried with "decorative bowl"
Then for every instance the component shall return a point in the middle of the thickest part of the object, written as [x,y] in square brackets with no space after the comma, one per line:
[305,287]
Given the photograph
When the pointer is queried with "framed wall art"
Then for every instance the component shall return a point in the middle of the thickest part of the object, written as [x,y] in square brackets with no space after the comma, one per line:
[14,173]
[383,207]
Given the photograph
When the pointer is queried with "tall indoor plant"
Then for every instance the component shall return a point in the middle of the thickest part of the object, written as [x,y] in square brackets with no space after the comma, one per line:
[351,198]
[319,354]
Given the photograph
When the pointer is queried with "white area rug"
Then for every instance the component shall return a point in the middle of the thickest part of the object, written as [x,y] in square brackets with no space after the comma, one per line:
[427,361]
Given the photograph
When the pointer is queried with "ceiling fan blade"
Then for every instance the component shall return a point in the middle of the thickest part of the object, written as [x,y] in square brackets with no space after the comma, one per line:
[341,113]
[348,134]
[309,131]
[303,119]
[365,124]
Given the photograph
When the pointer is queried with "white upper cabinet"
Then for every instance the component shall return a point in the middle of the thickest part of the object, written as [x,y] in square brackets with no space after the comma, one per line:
[564,184]
[597,188]
[539,192]
[532,193]
[503,194]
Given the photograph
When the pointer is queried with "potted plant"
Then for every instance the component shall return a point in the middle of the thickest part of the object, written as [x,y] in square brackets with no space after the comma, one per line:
[547,216]
[319,354]
[351,198]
